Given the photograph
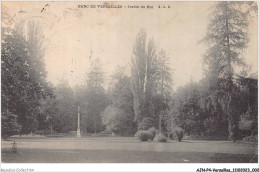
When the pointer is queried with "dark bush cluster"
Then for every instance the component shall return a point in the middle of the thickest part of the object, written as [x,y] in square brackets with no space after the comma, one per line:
[178,133]
[150,134]
[144,135]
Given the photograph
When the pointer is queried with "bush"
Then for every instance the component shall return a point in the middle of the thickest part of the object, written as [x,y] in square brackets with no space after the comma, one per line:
[45,132]
[153,131]
[144,135]
[105,133]
[178,133]
[250,139]
[245,122]
[160,138]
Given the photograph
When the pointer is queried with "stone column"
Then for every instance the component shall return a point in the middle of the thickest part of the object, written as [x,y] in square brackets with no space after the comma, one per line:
[78,129]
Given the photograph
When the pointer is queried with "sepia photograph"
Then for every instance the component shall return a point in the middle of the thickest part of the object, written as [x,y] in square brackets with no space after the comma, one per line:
[129,82]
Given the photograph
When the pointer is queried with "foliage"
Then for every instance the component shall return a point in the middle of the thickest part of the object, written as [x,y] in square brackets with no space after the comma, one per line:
[141,76]
[116,121]
[178,133]
[248,122]
[46,113]
[162,77]
[144,135]
[160,107]
[105,133]
[45,132]
[92,98]
[185,110]
[9,125]
[23,81]
[212,125]
[251,138]
[122,101]
[199,109]
[146,123]
[64,109]
[245,122]
[160,138]
[226,38]
[151,80]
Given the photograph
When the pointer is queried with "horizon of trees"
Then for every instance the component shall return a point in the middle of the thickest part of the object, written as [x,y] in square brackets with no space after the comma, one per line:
[222,105]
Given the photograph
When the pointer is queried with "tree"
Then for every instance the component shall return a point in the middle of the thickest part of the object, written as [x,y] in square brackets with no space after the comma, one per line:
[162,82]
[20,93]
[162,77]
[227,38]
[185,111]
[248,117]
[119,115]
[116,121]
[95,98]
[36,49]
[65,119]
[141,76]
[9,125]
[23,81]
[48,111]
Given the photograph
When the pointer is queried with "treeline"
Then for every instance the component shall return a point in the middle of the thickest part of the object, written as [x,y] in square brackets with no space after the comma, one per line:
[220,106]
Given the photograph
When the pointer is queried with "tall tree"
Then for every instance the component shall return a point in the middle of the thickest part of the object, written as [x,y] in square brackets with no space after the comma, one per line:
[119,115]
[23,80]
[162,84]
[95,100]
[227,38]
[162,77]
[36,48]
[138,73]
[141,71]
[65,119]
[9,125]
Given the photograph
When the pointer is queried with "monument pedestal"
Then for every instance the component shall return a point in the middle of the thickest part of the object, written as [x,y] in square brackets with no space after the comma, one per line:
[78,129]
[78,133]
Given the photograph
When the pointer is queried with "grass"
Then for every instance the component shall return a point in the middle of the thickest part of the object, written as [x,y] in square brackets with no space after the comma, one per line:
[126,150]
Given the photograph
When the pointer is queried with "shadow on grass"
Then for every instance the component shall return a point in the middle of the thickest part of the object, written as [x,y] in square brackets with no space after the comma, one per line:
[121,156]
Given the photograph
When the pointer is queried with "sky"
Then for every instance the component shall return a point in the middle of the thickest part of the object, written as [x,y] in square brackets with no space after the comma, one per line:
[72,33]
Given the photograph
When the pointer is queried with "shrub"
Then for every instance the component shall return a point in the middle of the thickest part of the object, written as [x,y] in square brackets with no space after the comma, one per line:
[146,123]
[105,133]
[45,132]
[160,138]
[250,139]
[144,135]
[153,131]
[178,133]
[211,126]
[245,123]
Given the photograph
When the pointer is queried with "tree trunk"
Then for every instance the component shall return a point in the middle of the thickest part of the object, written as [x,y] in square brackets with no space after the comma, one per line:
[231,122]
[51,127]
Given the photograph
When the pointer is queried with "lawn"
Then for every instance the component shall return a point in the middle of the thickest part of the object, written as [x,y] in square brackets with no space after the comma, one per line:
[126,150]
